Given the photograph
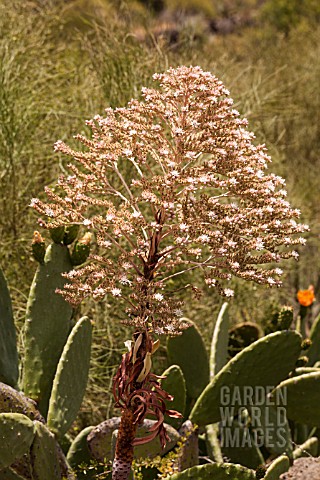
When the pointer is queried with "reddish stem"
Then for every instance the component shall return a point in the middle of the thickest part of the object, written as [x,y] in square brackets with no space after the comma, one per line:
[124,448]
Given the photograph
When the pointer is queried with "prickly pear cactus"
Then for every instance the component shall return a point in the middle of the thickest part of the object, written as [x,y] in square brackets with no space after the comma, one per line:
[249,455]
[38,247]
[285,318]
[189,452]
[215,471]
[9,474]
[266,362]
[219,344]
[44,454]
[271,424]
[70,234]
[79,453]
[174,383]
[16,402]
[302,395]
[81,250]
[100,440]
[189,352]
[307,449]
[16,436]
[8,349]
[280,319]
[48,323]
[57,234]
[243,335]
[71,378]
[278,466]
[213,443]
[314,349]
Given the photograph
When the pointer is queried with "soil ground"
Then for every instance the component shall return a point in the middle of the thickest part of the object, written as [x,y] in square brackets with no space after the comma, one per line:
[306,468]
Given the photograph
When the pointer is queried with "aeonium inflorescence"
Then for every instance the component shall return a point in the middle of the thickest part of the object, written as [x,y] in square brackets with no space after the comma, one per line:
[171,184]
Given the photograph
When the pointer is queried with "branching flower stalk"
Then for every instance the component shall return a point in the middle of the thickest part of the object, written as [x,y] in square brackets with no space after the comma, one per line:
[168,185]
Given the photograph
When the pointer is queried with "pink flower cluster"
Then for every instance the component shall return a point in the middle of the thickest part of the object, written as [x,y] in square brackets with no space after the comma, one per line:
[171,184]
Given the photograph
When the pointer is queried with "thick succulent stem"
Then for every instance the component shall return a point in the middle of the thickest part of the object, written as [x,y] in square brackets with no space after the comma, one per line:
[124,448]
[138,393]
[127,430]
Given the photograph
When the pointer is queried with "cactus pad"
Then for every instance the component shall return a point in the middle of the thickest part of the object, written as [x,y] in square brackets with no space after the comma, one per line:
[309,447]
[8,349]
[264,363]
[175,384]
[15,402]
[70,234]
[242,335]
[79,453]
[47,326]
[213,443]
[71,378]
[303,370]
[16,436]
[189,452]
[189,352]
[79,253]
[244,452]
[302,398]
[278,466]
[271,426]
[44,455]
[9,474]
[216,471]
[219,344]
[314,349]
[100,440]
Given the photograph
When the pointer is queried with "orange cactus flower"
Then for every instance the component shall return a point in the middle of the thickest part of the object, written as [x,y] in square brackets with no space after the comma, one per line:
[306,297]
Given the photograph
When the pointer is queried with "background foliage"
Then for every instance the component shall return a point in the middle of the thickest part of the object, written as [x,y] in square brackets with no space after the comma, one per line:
[62,62]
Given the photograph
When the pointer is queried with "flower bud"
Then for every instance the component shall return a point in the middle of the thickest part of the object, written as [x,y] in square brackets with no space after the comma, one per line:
[302,361]
[81,250]
[38,247]
[57,234]
[285,318]
[306,343]
[70,234]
